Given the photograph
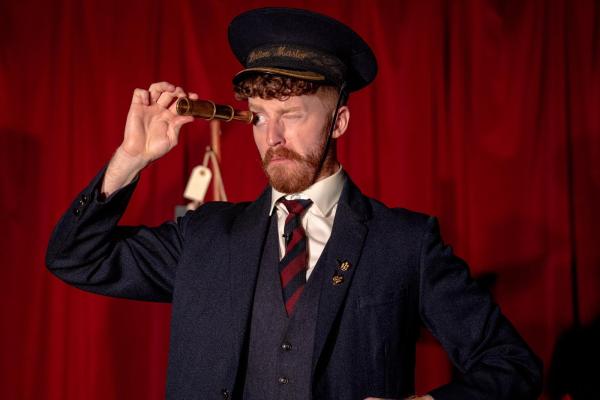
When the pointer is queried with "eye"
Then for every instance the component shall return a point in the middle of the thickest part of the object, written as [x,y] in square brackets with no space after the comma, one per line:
[258,120]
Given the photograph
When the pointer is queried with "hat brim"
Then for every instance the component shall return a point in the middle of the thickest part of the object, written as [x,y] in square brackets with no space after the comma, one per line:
[304,75]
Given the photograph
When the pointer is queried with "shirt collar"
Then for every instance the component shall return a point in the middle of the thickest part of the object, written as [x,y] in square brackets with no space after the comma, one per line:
[324,193]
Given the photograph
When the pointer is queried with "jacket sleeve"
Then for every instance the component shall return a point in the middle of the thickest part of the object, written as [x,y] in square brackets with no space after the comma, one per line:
[494,362]
[88,250]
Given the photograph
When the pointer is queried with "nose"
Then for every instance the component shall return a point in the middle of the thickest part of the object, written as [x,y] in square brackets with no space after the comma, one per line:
[275,133]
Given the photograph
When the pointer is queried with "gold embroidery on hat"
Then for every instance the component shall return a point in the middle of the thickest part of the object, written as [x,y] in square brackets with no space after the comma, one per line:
[306,56]
[282,51]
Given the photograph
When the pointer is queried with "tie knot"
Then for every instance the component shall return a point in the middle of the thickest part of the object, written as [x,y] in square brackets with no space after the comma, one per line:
[296,207]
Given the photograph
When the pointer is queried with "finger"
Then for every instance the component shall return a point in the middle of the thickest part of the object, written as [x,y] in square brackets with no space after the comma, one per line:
[156,89]
[193,96]
[165,99]
[141,96]
[179,93]
[162,87]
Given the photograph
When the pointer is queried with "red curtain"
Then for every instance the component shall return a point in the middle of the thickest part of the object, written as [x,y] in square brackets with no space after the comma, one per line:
[485,113]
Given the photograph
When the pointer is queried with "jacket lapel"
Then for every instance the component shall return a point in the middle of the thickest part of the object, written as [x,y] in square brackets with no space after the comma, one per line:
[248,234]
[345,245]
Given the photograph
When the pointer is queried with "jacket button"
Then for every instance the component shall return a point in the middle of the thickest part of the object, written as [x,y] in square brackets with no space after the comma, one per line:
[83,200]
[225,394]
[285,346]
[77,211]
[283,380]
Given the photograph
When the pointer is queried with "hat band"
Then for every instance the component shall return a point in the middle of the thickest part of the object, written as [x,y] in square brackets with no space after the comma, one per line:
[297,58]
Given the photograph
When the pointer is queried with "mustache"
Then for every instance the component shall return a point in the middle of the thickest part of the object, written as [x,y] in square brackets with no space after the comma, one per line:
[281,153]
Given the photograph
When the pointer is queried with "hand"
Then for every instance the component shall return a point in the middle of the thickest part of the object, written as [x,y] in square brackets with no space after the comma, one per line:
[151,131]
[152,127]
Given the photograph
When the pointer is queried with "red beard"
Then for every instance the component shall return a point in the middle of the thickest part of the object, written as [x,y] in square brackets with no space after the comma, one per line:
[295,178]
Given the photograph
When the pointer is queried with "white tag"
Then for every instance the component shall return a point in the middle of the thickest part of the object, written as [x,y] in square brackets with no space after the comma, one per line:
[198,184]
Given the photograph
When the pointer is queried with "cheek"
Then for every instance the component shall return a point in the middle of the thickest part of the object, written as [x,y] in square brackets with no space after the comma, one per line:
[311,145]
[302,139]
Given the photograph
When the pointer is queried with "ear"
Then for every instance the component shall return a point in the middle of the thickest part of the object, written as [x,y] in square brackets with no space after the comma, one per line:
[343,118]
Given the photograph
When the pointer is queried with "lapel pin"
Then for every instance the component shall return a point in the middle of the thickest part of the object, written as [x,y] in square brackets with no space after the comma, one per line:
[337,279]
[344,265]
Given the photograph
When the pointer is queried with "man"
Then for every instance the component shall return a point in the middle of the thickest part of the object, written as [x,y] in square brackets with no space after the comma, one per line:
[311,291]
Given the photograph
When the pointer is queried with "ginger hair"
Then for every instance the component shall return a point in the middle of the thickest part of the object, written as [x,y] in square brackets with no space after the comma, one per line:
[268,86]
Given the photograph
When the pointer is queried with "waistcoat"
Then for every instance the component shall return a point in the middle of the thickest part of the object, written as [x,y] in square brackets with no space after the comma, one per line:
[280,350]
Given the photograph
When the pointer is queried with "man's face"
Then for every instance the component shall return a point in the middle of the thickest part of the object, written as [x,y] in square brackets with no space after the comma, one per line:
[290,136]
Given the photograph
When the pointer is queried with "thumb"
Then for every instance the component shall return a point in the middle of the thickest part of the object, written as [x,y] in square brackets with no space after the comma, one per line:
[181,120]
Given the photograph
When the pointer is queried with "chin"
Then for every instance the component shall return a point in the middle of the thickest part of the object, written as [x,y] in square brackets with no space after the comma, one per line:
[291,179]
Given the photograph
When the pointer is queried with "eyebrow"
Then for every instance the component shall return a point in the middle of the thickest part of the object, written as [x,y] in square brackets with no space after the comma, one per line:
[291,109]
[255,108]
[258,108]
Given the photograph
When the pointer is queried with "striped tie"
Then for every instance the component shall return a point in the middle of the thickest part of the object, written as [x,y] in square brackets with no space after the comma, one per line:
[292,267]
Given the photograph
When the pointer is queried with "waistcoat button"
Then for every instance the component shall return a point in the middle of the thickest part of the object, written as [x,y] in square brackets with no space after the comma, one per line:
[283,380]
[286,346]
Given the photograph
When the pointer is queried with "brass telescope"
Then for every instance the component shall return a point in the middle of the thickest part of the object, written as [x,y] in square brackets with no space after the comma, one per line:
[208,110]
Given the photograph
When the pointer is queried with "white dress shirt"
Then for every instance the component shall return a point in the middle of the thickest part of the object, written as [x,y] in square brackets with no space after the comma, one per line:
[317,221]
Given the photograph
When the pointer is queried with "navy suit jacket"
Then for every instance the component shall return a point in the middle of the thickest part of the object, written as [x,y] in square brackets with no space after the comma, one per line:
[401,275]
